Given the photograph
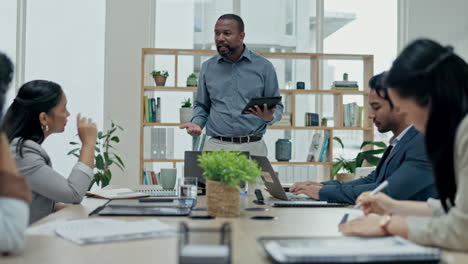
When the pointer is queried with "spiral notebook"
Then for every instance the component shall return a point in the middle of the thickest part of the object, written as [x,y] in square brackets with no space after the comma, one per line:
[347,250]
[158,192]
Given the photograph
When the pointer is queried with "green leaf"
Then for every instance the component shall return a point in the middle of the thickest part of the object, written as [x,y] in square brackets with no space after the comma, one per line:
[373,152]
[229,168]
[115,139]
[73,143]
[374,143]
[339,141]
[118,165]
[97,150]
[372,159]
[337,166]
[76,155]
[73,151]
[99,162]
[100,135]
[119,160]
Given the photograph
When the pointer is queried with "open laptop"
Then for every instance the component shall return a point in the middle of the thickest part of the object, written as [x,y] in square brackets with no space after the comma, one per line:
[274,187]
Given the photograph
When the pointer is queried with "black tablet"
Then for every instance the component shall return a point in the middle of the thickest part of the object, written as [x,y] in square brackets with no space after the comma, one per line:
[260,101]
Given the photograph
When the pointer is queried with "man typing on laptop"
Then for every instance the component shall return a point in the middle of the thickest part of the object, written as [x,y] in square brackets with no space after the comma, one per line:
[404,164]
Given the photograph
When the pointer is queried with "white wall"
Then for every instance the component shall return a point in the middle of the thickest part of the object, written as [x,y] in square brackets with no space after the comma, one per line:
[65,44]
[127,31]
[443,21]
[8,40]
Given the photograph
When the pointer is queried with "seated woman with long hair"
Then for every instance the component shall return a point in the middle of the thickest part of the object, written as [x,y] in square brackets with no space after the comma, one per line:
[38,111]
[430,83]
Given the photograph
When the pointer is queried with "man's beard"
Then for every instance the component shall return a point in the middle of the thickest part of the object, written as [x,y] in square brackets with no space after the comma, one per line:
[226,53]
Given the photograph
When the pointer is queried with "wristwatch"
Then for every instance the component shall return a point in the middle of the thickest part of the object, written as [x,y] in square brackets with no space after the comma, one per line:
[384,222]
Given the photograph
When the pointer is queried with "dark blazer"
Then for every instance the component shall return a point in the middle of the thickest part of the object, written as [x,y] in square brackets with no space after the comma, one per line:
[406,168]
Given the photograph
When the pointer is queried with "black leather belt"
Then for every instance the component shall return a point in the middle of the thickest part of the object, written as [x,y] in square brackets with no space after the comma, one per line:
[239,140]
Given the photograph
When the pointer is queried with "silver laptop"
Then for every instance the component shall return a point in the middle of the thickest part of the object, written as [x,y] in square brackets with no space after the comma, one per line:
[274,187]
[272,183]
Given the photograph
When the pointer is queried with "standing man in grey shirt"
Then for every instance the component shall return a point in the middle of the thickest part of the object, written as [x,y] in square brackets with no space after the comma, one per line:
[227,83]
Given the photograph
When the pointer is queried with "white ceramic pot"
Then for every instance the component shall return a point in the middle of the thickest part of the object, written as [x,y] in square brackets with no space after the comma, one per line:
[185,114]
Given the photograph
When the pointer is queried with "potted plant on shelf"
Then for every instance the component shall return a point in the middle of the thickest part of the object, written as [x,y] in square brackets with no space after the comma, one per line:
[224,171]
[349,165]
[324,122]
[105,155]
[186,111]
[192,80]
[160,77]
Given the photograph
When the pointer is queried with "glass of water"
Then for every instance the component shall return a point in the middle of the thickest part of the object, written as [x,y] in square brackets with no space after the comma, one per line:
[188,190]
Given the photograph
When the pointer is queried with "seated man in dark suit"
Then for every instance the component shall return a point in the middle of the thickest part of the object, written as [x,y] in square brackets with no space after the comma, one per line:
[404,163]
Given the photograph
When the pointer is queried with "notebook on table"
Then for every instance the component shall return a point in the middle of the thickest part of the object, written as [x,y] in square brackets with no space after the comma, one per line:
[158,192]
[137,208]
[347,250]
[121,193]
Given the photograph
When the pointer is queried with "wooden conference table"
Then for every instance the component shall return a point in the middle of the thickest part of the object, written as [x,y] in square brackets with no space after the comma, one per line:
[289,222]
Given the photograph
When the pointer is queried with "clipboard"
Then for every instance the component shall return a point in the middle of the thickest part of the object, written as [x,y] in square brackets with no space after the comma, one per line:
[260,101]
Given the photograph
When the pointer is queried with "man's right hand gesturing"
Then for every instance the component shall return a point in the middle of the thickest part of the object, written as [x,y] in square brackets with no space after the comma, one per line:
[192,129]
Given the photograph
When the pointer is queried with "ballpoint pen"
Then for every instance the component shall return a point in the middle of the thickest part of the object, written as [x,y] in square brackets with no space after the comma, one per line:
[376,190]
[382,186]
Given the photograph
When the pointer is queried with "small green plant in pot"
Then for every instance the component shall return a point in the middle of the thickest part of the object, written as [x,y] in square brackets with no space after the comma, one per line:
[224,171]
[192,80]
[349,165]
[160,77]
[105,155]
[186,111]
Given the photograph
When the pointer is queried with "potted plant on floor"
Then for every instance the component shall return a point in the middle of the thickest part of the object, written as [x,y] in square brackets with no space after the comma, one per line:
[105,155]
[224,171]
[160,77]
[349,165]
[186,111]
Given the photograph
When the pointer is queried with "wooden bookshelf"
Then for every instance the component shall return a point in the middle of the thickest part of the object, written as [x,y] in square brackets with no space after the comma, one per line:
[316,88]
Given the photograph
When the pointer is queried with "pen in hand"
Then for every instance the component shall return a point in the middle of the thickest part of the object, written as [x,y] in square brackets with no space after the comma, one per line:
[382,186]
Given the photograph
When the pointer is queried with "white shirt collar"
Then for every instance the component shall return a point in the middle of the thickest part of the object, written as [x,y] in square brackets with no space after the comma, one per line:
[394,140]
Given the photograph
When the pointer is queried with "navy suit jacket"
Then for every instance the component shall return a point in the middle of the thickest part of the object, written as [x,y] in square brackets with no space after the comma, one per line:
[406,168]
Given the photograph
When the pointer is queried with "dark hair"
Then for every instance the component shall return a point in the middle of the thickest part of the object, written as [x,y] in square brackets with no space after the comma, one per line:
[432,75]
[22,117]
[6,75]
[238,19]
[377,83]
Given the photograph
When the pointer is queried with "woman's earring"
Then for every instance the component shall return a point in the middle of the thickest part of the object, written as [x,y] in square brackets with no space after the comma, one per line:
[45,128]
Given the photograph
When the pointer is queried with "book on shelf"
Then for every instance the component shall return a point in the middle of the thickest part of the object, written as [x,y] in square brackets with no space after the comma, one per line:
[152,109]
[318,150]
[345,88]
[145,108]
[311,119]
[324,152]
[285,120]
[345,85]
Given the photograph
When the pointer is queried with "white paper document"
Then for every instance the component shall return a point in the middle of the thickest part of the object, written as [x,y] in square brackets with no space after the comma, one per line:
[89,231]
[46,229]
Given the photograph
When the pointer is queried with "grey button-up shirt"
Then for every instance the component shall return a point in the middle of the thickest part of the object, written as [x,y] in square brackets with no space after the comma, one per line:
[225,87]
